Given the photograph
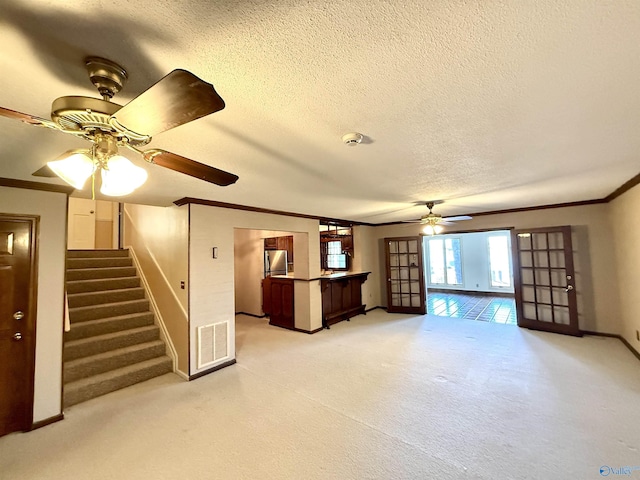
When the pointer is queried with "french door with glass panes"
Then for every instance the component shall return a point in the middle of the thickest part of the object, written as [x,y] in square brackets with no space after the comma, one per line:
[544,280]
[405,275]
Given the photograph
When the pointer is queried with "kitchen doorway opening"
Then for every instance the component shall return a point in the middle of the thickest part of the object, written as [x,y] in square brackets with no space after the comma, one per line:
[470,276]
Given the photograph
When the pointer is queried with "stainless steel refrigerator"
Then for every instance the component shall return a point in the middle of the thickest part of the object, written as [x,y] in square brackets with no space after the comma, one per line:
[275,262]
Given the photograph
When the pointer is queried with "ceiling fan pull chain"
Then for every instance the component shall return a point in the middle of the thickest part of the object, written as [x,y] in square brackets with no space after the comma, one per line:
[93,173]
[93,185]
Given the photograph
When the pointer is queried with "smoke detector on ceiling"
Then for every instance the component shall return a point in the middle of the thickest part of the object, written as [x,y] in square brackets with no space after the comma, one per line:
[352,139]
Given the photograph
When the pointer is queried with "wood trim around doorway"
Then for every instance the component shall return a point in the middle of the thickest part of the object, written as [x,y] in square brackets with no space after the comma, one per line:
[47,421]
[34,231]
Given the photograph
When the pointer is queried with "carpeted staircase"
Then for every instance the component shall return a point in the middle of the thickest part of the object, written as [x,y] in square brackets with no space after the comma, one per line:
[113,341]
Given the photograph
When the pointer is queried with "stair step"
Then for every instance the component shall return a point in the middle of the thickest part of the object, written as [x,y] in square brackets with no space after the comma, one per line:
[102,326]
[107,272]
[85,347]
[106,310]
[113,341]
[98,262]
[106,296]
[97,253]
[87,388]
[114,359]
[101,284]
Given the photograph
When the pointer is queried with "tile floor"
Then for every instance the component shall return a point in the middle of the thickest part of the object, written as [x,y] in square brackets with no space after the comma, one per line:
[472,307]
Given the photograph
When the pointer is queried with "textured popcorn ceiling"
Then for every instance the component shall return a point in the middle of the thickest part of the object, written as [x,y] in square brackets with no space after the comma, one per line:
[484,104]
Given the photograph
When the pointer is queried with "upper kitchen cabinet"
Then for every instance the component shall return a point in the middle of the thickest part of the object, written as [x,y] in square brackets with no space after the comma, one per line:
[271,243]
[281,243]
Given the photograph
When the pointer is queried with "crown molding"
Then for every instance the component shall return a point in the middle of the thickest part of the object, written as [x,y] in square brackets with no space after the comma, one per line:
[47,187]
[213,203]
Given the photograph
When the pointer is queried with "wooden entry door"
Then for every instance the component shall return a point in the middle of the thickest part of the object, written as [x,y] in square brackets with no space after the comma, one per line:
[405,275]
[17,323]
[544,280]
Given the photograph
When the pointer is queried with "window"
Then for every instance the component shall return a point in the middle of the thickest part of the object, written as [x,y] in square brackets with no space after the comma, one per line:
[445,261]
[336,246]
[499,261]
[335,258]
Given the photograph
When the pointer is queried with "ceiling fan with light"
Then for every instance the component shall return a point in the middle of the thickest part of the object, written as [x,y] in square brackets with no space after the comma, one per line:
[433,222]
[178,98]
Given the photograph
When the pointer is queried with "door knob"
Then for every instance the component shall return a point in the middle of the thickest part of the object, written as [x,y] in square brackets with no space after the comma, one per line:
[18,315]
[17,336]
[568,288]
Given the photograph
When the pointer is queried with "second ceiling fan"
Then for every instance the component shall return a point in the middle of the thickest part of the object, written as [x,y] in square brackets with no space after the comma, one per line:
[433,222]
[178,98]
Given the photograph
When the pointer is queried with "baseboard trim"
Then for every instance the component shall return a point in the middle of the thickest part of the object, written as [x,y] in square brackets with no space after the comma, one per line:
[251,315]
[375,308]
[310,332]
[619,337]
[630,347]
[211,370]
[47,421]
[294,329]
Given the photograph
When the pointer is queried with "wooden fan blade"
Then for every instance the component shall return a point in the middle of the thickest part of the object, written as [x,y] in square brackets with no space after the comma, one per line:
[26,118]
[44,171]
[178,98]
[189,167]
[457,219]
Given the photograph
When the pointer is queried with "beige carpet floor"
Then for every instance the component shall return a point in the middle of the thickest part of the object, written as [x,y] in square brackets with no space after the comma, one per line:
[382,397]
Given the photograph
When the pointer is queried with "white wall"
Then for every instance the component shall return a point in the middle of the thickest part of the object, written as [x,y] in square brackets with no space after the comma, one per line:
[106,224]
[366,259]
[248,271]
[593,247]
[625,222]
[476,271]
[159,238]
[166,232]
[212,295]
[52,244]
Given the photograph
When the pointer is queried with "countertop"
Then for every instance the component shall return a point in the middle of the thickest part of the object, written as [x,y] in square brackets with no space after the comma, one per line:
[330,276]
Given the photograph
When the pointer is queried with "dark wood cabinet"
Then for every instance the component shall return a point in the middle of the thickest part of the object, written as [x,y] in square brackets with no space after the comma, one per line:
[281,243]
[342,297]
[347,243]
[277,301]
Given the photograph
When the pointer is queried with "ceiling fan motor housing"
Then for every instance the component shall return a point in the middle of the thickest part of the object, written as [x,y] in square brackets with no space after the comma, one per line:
[90,116]
[83,113]
[107,76]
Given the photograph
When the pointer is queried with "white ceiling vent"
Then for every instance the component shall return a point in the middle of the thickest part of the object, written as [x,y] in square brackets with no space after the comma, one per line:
[213,343]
